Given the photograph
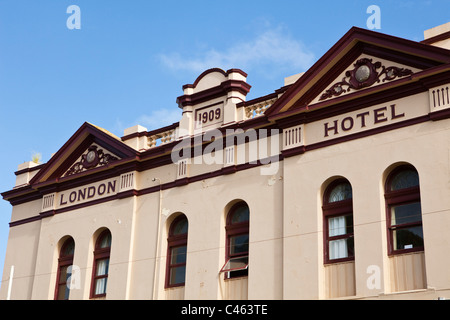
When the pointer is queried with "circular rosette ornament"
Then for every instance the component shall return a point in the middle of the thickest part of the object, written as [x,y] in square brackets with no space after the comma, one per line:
[364,74]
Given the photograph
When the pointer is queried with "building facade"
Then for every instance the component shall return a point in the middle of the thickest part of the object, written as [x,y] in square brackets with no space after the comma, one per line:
[334,186]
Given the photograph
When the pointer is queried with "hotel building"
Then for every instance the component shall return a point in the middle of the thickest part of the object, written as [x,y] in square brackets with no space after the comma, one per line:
[334,186]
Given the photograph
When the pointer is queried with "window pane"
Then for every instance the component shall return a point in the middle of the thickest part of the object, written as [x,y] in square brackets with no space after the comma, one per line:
[102,267]
[340,225]
[69,248]
[406,213]
[63,292]
[100,286]
[239,263]
[63,274]
[405,179]
[341,192]
[342,248]
[177,275]
[178,255]
[105,241]
[239,244]
[181,227]
[408,238]
[240,215]
[63,288]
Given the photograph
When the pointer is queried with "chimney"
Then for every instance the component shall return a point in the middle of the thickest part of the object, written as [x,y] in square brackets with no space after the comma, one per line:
[438,36]
[135,137]
[25,172]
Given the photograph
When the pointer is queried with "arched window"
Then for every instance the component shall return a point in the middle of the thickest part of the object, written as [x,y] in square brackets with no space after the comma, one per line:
[176,252]
[338,222]
[65,263]
[101,264]
[404,213]
[237,240]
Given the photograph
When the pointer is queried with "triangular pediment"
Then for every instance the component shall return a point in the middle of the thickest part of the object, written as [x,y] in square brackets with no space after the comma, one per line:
[90,149]
[363,73]
[361,63]
[93,157]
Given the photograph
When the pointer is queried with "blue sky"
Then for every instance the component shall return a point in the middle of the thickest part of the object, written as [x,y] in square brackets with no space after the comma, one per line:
[130,59]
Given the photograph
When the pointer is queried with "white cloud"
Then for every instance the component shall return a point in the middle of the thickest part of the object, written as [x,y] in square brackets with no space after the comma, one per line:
[275,47]
[156,119]
[159,118]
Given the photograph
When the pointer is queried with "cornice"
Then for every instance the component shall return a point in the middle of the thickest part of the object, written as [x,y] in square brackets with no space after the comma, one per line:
[437,38]
[206,72]
[215,92]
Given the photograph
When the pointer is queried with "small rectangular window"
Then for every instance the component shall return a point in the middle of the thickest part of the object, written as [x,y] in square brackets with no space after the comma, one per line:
[340,237]
[406,213]
[406,228]
[238,244]
[63,288]
[235,267]
[177,266]
[407,238]
[235,264]
[340,225]
[101,276]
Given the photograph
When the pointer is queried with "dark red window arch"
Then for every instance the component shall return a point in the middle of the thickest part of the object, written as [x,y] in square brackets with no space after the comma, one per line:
[100,270]
[338,222]
[237,241]
[65,262]
[177,252]
[403,211]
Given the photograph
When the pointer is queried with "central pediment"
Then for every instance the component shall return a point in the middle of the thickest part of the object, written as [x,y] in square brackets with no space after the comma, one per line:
[210,101]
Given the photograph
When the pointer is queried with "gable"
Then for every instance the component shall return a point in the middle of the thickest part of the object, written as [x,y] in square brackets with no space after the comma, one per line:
[364,72]
[95,156]
[385,60]
[90,149]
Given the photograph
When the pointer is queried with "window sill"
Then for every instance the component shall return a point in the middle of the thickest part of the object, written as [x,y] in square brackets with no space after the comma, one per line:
[338,261]
[405,252]
[181,286]
[236,278]
[174,288]
[388,295]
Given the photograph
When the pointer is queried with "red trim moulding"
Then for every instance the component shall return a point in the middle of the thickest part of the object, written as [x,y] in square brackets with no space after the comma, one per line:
[26,194]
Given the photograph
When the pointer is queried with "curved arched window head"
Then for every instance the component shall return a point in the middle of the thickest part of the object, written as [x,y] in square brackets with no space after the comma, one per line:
[65,263]
[179,226]
[177,251]
[340,192]
[237,241]
[403,179]
[404,213]
[101,264]
[338,222]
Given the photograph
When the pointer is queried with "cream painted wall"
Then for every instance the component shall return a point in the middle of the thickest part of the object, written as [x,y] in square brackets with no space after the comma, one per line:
[364,162]
[286,240]
[286,220]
